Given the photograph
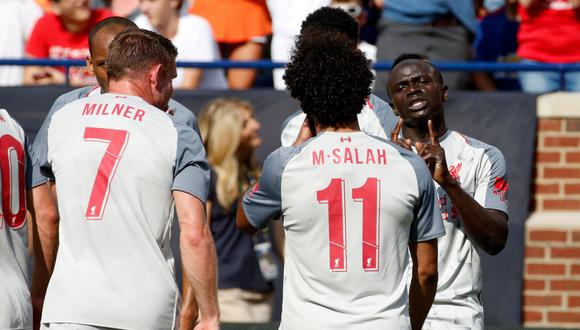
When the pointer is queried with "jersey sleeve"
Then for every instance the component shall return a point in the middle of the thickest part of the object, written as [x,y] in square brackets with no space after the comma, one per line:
[31,163]
[427,223]
[492,182]
[183,115]
[43,171]
[264,201]
[191,171]
[387,118]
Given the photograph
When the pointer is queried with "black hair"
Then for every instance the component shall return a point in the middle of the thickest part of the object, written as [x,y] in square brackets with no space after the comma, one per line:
[332,19]
[419,57]
[107,22]
[329,78]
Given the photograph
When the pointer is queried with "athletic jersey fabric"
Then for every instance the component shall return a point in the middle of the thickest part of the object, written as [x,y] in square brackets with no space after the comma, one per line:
[116,160]
[15,178]
[51,39]
[376,118]
[179,112]
[481,171]
[351,203]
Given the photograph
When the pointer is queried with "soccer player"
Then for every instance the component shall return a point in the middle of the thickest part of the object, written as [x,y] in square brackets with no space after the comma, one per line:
[353,205]
[377,117]
[15,184]
[471,182]
[100,37]
[119,162]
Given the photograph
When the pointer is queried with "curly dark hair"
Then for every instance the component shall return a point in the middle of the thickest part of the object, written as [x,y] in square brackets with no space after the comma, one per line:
[330,78]
[331,19]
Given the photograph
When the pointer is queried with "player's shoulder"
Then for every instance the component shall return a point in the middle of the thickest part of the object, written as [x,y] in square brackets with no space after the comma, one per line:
[475,145]
[12,124]
[376,104]
[74,95]
[180,109]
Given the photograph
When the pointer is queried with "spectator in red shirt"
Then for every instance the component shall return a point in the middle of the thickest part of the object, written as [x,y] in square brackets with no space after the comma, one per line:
[62,34]
[549,33]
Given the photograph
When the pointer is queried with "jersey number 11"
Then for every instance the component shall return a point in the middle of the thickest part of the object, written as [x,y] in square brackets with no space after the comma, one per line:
[369,195]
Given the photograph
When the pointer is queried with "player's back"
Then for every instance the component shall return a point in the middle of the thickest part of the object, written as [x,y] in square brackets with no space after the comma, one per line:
[113,158]
[349,203]
[15,306]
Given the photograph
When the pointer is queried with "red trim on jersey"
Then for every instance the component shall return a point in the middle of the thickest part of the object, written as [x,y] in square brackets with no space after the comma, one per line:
[463,136]
[369,103]
[87,94]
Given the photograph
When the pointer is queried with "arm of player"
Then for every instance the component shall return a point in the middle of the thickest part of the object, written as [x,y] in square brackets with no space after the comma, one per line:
[42,207]
[189,310]
[263,201]
[423,280]
[242,220]
[198,256]
[487,228]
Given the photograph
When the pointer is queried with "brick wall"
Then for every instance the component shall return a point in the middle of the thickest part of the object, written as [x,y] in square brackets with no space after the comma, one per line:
[552,253]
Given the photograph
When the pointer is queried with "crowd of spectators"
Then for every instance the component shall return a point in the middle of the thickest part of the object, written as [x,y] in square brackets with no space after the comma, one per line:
[528,31]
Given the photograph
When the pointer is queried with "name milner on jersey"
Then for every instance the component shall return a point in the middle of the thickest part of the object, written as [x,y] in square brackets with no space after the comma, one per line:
[350,156]
[120,109]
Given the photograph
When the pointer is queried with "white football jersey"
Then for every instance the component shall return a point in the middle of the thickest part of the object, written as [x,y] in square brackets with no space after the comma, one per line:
[115,160]
[15,179]
[351,203]
[481,172]
[376,118]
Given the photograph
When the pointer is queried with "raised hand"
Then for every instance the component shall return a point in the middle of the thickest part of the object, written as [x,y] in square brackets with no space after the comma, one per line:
[304,134]
[434,156]
[404,143]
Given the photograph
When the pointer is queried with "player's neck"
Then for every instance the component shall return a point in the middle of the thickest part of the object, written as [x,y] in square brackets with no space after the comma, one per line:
[421,132]
[352,127]
[129,87]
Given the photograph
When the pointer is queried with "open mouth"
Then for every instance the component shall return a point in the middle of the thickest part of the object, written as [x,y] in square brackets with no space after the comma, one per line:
[416,105]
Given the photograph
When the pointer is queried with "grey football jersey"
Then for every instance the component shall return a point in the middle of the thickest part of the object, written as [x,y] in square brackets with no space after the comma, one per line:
[351,204]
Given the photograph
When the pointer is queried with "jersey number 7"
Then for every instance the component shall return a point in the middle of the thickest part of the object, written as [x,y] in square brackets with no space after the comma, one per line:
[369,195]
[117,140]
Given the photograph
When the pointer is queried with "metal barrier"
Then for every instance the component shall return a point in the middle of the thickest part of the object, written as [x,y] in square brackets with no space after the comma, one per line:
[562,69]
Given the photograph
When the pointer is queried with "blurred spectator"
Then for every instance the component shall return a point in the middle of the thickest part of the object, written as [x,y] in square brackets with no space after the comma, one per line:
[245,267]
[123,8]
[193,37]
[62,33]
[287,17]
[549,33]
[497,42]
[356,10]
[439,29]
[241,28]
[17,18]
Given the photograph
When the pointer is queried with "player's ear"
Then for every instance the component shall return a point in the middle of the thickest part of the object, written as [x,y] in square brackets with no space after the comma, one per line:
[155,75]
[90,67]
[445,90]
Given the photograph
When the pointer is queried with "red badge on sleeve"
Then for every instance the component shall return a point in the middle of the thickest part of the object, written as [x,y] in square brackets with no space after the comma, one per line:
[500,188]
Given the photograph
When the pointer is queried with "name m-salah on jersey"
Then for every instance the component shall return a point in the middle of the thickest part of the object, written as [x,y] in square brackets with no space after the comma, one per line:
[351,203]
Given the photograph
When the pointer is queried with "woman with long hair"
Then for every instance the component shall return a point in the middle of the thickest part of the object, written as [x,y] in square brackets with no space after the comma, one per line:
[230,134]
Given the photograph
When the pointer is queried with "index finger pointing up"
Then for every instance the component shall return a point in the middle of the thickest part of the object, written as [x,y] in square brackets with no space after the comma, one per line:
[432,133]
[396,131]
